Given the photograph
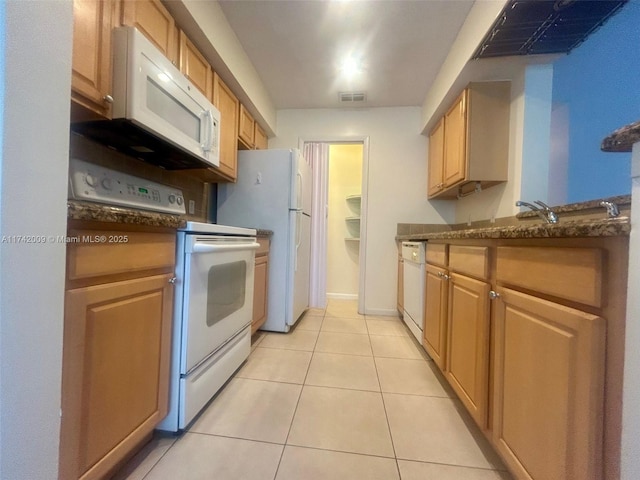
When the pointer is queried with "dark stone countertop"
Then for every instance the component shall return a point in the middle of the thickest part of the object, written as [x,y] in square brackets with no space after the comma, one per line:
[571,229]
[622,139]
[583,219]
[264,233]
[96,212]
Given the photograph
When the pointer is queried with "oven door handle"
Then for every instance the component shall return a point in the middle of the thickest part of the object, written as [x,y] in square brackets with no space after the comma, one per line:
[211,247]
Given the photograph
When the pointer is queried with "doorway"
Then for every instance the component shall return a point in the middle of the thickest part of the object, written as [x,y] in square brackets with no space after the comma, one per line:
[338,220]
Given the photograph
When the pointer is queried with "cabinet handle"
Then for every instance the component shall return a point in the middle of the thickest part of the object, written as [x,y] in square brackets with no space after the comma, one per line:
[108,99]
[172,280]
[494,295]
[443,276]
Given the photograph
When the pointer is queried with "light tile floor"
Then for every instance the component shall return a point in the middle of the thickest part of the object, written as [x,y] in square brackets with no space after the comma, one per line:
[342,396]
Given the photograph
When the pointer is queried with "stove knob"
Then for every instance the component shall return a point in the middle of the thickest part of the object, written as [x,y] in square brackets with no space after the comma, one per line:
[172,198]
[179,201]
[91,180]
[106,183]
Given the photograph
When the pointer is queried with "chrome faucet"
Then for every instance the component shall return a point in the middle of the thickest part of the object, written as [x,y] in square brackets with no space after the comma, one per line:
[612,209]
[541,209]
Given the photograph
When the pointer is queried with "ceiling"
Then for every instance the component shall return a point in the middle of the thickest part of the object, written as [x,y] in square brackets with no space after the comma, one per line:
[296,46]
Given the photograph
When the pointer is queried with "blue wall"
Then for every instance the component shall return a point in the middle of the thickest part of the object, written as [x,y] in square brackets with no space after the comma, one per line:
[599,84]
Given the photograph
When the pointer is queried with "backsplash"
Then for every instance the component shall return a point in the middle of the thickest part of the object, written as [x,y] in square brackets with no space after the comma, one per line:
[192,188]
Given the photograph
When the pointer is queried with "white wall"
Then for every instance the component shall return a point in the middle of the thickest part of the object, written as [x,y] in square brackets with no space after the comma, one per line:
[35,146]
[345,178]
[397,179]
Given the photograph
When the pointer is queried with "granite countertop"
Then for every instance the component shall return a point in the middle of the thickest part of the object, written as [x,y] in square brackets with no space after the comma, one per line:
[584,219]
[622,139]
[77,210]
[570,229]
[264,233]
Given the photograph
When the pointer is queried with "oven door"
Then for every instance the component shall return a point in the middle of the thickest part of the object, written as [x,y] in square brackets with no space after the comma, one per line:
[218,294]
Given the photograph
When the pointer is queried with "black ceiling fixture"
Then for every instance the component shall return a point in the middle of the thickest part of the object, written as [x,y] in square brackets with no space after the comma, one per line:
[529,27]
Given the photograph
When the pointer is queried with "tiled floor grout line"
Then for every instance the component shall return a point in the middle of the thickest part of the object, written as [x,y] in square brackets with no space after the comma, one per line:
[295,410]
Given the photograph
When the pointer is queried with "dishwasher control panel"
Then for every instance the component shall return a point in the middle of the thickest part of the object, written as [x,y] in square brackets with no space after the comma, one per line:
[94,183]
[413,252]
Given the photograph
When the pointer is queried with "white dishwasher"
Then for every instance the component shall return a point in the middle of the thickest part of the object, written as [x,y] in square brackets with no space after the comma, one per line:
[414,279]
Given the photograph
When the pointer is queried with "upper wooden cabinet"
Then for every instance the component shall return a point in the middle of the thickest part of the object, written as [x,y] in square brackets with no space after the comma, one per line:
[470,144]
[260,137]
[195,67]
[155,22]
[91,64]
[246,128]
[435,159]
[227,103]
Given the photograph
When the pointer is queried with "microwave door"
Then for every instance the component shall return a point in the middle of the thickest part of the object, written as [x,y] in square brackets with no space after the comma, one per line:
[161,105]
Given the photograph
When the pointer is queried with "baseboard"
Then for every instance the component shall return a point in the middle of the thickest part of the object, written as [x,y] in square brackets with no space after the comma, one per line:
[382,312]
[342,296]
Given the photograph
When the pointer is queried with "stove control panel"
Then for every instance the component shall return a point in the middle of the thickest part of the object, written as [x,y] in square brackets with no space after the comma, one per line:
[94,183]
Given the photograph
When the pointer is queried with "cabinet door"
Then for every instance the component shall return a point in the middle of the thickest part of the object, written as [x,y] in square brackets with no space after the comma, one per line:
[436,159]
[246,130]
[435,315]
[548,388]
[261,141]
[195,66]
[261,277]
[117,342]
[455,142]
[155,22]
[91,63]
[228,104]
[467,367]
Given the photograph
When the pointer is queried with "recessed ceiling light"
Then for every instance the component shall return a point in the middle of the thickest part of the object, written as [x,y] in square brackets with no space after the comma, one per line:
[351,66]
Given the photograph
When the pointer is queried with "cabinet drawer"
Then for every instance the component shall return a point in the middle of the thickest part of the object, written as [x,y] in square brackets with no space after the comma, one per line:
[472,261]
[574,274]
[120,252]
[263,249]
[436,254]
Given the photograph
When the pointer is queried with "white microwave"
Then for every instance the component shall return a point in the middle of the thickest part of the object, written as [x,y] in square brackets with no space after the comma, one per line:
[158,115]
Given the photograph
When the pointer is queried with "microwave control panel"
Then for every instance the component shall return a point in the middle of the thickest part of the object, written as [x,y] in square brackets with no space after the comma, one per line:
[94,183]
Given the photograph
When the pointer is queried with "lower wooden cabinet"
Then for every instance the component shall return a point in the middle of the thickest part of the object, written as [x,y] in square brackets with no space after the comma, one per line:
[260,285]
[467,368]
[548,388]
[116,350]
[435,315]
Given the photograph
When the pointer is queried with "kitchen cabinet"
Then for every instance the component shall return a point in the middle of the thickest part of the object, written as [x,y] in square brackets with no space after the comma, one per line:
[435,308]
[469,147]
[533,328]
[261,285]
[550,426]
[227,103]
[195,67]
[435,159]
[246,130]
[91,61]
[116,349]
[260,137]
[155,22]
[468,329]
[549,383]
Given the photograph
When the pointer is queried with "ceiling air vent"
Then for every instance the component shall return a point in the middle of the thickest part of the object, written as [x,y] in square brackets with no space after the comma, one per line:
[352,97]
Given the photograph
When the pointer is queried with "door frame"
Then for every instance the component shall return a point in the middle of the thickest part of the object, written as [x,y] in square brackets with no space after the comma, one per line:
[321,272]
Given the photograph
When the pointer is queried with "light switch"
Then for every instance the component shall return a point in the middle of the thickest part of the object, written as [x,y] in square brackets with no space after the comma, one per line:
[259,178]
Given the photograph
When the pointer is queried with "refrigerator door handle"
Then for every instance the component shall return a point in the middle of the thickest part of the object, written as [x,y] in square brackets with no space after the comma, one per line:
[299,192]
[298,238]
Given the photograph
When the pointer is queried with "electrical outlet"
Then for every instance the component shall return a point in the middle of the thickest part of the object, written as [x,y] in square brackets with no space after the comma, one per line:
[259,178]
[192,207]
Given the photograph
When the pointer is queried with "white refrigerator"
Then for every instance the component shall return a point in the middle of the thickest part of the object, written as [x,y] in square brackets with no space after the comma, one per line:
[273,192]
